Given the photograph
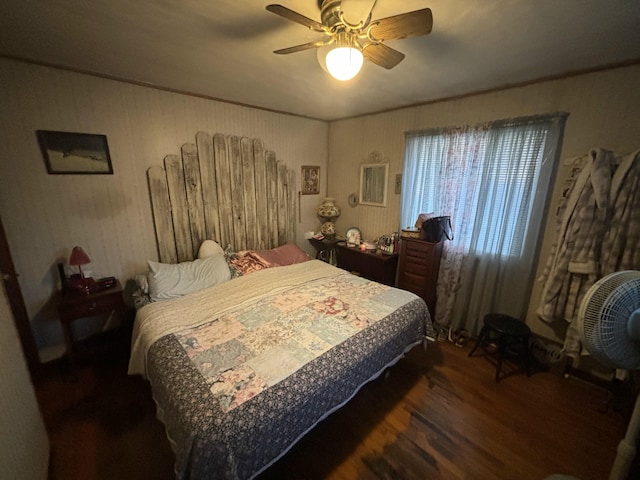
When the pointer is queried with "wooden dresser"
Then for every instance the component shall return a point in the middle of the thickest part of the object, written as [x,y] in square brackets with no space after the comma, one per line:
[378,267]
[418,269]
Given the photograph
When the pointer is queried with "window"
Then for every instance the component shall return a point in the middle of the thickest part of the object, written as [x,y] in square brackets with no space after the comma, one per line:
[494,172]
[493,181]
[513,169]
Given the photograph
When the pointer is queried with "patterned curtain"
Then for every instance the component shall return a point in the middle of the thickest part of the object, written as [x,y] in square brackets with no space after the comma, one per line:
[492,179]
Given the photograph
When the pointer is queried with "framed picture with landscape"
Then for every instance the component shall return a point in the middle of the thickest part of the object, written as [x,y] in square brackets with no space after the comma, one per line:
[75,153]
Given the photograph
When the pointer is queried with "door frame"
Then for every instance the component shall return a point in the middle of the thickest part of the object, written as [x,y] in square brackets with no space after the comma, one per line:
[18,308]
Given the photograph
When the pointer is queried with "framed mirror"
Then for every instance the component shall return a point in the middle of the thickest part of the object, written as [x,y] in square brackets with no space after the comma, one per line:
[373,184]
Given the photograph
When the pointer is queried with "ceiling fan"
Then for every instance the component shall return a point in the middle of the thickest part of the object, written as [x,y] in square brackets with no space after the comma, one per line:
[351,34]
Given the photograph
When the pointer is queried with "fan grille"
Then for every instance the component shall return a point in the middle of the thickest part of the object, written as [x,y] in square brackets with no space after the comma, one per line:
[604,315]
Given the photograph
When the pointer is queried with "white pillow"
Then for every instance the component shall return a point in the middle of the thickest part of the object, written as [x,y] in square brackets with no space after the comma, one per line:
[209,248]
[175,280]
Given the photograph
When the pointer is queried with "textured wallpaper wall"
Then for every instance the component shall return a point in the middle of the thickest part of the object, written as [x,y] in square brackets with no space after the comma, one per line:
[24,445]
[604,109]
[110,215]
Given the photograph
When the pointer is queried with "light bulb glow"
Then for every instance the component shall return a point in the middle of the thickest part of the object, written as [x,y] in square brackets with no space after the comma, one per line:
[344,63]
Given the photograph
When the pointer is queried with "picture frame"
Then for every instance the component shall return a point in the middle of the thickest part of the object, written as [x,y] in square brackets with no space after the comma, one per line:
[373,184]
[310,180]
[67,153]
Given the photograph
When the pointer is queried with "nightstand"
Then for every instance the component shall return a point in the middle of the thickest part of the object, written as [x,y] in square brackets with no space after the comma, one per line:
[325,249]
[74,305]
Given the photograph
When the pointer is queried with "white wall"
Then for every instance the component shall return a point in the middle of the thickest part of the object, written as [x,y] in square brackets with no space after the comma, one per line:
[110,215]
[604,112]
[24,445]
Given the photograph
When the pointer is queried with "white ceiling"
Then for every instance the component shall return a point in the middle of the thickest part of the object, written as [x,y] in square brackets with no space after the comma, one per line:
[223,48]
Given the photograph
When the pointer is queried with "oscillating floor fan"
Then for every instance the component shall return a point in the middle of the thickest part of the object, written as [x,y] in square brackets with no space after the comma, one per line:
[609,320]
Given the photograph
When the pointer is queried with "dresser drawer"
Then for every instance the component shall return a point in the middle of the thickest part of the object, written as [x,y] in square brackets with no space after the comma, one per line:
[94,306]
[416,266]
[380,268]
[418,256]
[414,283]
[418,249]
[418,269]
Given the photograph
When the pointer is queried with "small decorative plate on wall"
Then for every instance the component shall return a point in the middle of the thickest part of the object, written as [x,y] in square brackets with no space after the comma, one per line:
[353,200]
[354,237]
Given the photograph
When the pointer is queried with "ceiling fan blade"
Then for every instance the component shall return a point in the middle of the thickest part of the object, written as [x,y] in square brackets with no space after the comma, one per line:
[295,17]
[382,55]
[355,11]
[410,24]
[299,48]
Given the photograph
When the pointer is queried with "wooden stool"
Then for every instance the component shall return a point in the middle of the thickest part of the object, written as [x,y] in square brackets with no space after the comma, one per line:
[511,338]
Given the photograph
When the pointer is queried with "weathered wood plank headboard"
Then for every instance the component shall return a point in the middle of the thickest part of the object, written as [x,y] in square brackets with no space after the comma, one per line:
[223,188]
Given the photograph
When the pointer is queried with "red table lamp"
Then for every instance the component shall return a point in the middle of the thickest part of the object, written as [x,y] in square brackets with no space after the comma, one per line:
[78,258]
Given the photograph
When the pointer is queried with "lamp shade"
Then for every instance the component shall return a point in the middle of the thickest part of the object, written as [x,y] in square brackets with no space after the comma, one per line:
[344,63]
[78,257]
[328,209]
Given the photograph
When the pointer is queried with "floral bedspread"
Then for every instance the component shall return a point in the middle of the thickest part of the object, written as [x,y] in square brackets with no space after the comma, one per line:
[238,390]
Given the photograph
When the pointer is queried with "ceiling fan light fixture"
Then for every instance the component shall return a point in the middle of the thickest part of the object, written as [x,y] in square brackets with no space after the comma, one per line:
[344,63]
[346,40]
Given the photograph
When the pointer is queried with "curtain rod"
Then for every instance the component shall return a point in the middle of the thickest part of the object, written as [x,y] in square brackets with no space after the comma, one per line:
[505,122]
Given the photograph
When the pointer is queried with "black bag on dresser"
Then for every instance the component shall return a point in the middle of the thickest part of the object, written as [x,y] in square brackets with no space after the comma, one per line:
[437,229]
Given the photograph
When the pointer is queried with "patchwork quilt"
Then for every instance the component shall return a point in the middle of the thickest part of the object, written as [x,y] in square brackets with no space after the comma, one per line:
[258,361]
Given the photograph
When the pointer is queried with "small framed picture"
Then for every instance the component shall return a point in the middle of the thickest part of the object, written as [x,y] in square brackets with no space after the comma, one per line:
[373,184]
[310,180]
[75,153]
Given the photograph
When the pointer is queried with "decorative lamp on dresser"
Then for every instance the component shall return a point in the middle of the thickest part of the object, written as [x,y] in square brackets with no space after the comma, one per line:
[418,269]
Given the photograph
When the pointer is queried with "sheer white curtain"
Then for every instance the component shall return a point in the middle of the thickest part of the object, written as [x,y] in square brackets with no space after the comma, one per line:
[493,180]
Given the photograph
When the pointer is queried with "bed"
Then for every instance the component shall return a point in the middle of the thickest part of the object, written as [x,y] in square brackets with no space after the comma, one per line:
[244,366]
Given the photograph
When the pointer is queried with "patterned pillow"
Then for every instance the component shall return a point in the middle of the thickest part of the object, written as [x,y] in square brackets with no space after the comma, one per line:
[230,255]
[248,261]
[245,263]
[140,293]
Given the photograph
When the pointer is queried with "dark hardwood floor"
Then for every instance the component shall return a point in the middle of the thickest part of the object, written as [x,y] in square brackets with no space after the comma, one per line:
[438,415]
